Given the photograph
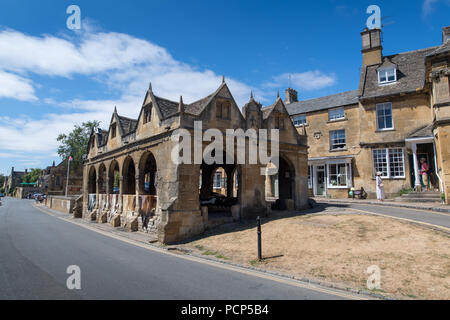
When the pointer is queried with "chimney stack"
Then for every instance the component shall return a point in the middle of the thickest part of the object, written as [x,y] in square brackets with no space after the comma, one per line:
[445,34]
[291,96]
[372,49]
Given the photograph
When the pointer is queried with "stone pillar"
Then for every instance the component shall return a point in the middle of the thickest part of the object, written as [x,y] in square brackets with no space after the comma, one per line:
[120,210]
[97,193]
[107,191]
[138,193]
[416,167]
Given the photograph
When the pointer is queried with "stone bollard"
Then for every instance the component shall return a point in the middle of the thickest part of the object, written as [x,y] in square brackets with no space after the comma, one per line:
[115,221]
[205,214]
[236,212]
[289,204]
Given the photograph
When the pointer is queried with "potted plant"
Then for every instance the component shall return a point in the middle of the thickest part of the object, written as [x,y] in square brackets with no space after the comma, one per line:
[443,198]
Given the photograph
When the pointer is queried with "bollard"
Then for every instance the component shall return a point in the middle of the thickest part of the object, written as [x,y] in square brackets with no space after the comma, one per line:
[258,222]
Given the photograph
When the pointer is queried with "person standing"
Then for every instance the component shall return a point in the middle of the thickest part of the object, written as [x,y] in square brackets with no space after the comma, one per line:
[424,174]
[380,187]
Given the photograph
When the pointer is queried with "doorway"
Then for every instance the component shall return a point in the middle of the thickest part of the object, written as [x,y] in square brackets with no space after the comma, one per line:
[320,181]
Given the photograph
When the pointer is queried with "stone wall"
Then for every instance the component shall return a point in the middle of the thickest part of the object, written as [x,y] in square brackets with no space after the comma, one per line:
[61,204]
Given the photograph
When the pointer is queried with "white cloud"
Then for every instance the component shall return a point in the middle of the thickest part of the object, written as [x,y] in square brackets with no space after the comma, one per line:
[309,80]
[428,6]
[125,64]
[16,87]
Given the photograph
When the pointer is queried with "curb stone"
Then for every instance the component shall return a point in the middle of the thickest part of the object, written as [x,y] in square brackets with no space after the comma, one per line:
[427,208]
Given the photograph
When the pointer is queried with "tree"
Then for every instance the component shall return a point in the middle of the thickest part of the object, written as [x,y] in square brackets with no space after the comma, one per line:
[32,176]
[2,180]
[75,144]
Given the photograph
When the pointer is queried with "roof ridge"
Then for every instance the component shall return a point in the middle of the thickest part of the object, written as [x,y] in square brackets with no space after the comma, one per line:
[412,51]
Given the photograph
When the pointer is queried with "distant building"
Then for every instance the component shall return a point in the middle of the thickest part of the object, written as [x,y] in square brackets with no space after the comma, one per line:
[13,181]
[53,180]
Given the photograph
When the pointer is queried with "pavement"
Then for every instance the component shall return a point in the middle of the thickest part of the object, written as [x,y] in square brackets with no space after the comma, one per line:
[36,249]
[436,207]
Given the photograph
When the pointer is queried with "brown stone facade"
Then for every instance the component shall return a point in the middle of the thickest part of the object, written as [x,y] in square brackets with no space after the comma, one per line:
[130,179]
[413,109]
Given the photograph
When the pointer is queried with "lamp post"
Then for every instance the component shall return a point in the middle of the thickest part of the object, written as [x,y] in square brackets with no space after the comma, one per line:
[68,172]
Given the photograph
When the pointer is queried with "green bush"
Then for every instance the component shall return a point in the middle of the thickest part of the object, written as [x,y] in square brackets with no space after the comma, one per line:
[405,191]
[443,196]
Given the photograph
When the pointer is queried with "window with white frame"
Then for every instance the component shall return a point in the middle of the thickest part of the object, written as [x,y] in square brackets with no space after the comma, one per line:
[387,75]
[384,116]
[339,175]
[300,120]
[390,162]
[337,139]
[336,114]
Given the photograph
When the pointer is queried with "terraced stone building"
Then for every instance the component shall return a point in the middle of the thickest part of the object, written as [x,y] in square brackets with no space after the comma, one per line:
[399,114]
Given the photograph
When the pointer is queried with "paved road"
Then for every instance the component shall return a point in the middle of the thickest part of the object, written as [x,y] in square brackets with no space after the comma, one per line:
[36,249]
[426,216]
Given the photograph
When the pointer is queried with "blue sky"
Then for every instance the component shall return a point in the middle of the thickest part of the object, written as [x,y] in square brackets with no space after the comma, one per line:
[52,77]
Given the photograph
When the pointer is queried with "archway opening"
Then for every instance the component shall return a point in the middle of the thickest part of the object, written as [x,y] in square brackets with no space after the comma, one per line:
[102,179]
[147,174]
[92,189]
[280,183]
[129,177]
[219,187]
[114,178]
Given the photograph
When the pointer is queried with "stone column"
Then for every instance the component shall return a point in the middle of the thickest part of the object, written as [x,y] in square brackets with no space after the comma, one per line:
[120,210]
[138,193]
[97,193]
[107,191]
[416,167]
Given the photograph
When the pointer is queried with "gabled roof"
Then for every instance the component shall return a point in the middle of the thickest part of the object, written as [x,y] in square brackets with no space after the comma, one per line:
[127,124]
[166,107]
[410,74]
[197,107]
[323,103]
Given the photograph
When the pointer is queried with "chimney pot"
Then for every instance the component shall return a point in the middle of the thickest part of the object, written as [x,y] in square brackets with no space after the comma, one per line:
[291,96]
[445,34]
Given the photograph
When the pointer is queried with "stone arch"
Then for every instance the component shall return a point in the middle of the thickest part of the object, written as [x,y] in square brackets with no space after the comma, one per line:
[148,169]
[114,177]
[208,196]
[92,181]
[280,180]
[102,179]
[129,176]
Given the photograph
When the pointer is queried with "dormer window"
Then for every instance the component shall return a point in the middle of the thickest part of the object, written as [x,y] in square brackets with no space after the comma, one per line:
[113,130]
[223,109]
[387,75]
[147,115]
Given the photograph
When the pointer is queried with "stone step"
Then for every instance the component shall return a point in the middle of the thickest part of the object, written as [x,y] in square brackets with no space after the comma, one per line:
[431,195]
[411,199]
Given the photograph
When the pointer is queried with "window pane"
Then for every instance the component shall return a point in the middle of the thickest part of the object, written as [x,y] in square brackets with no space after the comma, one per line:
[396,165]
[384,116]
[379,162]
[337,139]
[335,114]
